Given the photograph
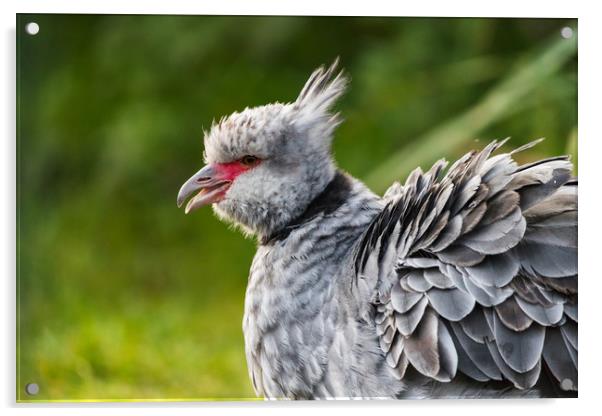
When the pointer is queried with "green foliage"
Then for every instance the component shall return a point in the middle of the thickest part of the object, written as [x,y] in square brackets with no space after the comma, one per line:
[122,296]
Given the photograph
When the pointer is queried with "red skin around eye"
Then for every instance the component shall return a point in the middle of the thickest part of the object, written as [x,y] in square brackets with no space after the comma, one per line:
[230,171]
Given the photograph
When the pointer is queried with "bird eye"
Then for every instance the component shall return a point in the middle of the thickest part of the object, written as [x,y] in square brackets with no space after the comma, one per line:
[249,160]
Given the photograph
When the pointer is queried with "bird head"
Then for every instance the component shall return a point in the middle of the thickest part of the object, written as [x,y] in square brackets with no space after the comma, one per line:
[264,165]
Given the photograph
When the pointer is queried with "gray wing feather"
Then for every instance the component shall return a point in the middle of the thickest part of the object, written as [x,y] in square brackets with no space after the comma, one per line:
[478,353]
[559,361]
[569,332]
[486,296]
[395,351]
[546,316]
[520,350]
[508,239]
[421,346]
[407,322]
[475,326]
[500,206]
[495,270]
[571,350]
[452,304]
[403,300]
[448,356]
[571,311]
[466,364]
[520,380]
[476,270]
[417,281]
[460,256]
[438,279]
[474,216]
[512,316]
[548,260]
[449,234]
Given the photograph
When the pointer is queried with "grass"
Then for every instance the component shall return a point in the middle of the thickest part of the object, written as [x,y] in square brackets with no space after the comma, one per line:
[137,350]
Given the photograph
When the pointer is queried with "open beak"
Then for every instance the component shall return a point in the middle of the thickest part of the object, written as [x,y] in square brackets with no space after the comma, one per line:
[212,189]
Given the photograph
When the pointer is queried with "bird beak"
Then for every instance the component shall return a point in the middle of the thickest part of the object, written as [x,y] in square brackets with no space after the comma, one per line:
[212,188]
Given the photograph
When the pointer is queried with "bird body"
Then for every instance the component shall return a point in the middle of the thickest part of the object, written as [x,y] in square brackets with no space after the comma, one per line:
[301,333]
[458,283]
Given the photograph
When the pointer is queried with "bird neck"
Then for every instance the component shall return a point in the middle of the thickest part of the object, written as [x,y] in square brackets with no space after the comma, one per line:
[334,195]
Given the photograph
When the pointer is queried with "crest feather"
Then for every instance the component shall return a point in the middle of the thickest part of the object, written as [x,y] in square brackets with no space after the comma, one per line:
[322,88]
[318,96]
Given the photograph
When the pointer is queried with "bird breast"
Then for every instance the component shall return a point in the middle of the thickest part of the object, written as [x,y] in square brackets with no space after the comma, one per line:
[290,317]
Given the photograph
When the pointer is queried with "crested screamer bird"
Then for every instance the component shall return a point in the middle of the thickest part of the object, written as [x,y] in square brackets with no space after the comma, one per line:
[462,282]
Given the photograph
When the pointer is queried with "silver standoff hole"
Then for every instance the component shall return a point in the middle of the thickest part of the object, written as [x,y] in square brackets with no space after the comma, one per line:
[566,32]
[32,389]
[32,28]
[566,384]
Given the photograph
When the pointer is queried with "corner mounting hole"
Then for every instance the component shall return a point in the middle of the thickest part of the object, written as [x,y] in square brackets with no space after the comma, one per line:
[32,389]
[32,28]
[566,32]
[567,384]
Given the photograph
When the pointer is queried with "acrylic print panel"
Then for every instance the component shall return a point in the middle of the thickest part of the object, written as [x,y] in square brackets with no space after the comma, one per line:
[461,282]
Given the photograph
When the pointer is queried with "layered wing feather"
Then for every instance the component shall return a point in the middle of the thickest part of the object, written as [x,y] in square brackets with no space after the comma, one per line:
[476,270]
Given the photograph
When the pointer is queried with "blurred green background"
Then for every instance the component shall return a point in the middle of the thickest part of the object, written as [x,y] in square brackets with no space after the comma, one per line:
[120,295]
